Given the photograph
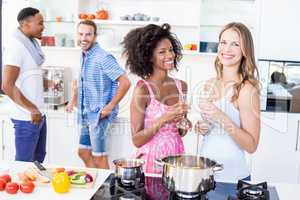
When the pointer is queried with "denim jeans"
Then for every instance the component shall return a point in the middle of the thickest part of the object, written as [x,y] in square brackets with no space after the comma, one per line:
[30,140]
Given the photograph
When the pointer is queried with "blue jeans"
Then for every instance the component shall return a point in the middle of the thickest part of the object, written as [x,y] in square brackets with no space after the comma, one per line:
[30,140]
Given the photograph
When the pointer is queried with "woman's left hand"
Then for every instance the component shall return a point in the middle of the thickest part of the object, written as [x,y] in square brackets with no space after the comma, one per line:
[211,112]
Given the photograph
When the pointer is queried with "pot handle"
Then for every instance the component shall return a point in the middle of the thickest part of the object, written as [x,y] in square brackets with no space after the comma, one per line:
[218,167]
[159,162]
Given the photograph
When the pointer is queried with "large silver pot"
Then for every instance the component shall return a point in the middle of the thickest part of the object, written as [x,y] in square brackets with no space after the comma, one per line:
[129,170]
[187,174]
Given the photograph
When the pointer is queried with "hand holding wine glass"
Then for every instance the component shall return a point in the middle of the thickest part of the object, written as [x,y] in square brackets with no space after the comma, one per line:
[204,125]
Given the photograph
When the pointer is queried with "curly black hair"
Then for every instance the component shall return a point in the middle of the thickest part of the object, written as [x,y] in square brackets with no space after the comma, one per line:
[140,43]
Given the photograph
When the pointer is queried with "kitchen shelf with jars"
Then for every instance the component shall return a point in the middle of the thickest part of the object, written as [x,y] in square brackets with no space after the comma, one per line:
[116,18]
[197,29]
[59,25]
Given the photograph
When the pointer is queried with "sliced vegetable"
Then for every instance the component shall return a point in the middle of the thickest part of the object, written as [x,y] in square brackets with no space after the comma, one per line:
[71,172]
[88,178]
[78,179]
[23,177]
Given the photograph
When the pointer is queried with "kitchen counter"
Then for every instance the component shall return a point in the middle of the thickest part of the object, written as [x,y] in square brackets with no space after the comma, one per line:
[5,106]
[46,192]
[285,191]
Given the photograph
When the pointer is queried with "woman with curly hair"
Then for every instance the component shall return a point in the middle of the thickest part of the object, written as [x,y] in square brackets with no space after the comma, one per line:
[233,109]
[152,51]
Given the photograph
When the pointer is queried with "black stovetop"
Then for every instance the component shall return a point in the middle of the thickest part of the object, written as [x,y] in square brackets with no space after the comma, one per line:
[154,190]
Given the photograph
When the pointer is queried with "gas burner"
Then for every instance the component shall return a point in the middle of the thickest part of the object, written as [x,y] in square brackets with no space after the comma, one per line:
[129,184]
[247,191]
[176,196]
[201,195]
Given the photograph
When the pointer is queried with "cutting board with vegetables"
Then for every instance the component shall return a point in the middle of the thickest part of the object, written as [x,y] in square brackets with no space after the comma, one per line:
[79,177]
[82,178]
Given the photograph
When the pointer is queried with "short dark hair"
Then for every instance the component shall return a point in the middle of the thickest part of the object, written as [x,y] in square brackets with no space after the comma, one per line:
[89,23]
[139,45]
[27,12]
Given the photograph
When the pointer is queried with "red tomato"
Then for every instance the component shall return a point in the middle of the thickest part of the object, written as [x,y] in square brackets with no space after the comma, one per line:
[2,184]
[12,188]
[27,187]
[6,177]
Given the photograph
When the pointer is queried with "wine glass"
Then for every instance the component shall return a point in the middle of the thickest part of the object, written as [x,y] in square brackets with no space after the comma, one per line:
[204,97]
[183,123]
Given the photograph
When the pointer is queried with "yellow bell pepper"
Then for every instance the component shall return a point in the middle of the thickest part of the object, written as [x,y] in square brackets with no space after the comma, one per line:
[61,182]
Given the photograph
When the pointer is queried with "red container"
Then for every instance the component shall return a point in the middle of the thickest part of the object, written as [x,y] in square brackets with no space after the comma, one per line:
[50,41]
[44,41]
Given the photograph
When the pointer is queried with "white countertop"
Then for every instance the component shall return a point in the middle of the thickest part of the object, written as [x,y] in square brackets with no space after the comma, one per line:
[46,192]
[285,191]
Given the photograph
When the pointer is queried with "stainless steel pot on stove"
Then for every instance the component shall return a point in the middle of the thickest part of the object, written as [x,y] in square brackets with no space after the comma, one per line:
[188,174]
[129,170]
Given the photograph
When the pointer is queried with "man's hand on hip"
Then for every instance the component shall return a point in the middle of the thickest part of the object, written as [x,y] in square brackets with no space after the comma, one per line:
[106,111]
[36,116]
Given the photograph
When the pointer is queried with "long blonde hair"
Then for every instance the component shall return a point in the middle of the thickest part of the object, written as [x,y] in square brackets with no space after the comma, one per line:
[248,70]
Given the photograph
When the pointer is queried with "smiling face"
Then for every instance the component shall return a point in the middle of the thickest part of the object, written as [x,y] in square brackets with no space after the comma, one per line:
[163,55]
[229,49]
[86,36]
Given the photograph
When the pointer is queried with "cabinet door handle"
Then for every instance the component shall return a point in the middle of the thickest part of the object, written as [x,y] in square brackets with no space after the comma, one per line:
[297,138]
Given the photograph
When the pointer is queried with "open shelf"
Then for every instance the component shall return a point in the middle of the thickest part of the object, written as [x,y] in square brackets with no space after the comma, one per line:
[55,48]
[139,23]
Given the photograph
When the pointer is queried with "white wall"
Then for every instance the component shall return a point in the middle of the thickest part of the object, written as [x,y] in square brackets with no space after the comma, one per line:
[193,69]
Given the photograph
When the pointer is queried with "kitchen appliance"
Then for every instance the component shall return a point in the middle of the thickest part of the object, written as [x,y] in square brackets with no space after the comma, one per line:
[129,171]
[57,82]
[188,175]
[280,85]
[153,189]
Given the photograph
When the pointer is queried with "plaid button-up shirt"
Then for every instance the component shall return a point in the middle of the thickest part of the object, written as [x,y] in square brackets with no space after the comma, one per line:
[97,83]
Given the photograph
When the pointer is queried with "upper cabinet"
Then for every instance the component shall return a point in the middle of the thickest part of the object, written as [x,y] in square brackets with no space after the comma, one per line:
[214,14]
[279,30]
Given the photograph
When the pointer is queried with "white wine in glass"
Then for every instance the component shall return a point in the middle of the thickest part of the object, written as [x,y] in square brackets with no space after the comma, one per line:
[183,123]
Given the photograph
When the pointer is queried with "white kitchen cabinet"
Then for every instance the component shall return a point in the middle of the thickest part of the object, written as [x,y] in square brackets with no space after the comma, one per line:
[215,14]
[8,139]
[9,150]
[295,129]
[63,132]
[1,138]
[279,34]
[276,159]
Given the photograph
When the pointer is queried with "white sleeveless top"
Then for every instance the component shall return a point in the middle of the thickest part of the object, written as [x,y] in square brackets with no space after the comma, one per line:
[219,146]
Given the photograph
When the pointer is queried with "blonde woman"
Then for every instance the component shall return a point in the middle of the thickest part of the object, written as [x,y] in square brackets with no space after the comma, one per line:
[231,115]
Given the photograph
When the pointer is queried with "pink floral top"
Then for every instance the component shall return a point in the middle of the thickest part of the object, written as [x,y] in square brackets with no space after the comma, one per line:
[167,141]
